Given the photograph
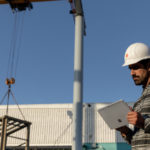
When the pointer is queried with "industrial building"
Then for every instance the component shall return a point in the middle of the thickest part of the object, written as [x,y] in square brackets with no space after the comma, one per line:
[51,128]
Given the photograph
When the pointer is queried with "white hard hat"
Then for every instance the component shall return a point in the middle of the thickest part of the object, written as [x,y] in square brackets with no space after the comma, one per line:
[135,53]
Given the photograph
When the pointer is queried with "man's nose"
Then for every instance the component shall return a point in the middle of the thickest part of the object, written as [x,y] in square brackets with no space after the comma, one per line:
[132,72]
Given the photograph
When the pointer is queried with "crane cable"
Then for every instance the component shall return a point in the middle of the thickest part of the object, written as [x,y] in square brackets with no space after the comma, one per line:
[14,57]
[15,45]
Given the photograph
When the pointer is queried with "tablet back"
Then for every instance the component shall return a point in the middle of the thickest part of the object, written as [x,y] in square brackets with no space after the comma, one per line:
[115,114]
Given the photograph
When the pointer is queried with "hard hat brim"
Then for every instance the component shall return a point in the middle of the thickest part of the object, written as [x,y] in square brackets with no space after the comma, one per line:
[134,61]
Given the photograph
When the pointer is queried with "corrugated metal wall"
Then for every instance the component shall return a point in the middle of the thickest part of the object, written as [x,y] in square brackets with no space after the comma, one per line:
[51,124]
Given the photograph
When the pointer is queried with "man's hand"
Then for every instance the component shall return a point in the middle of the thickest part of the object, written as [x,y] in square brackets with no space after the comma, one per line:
[124,130]
[136,119]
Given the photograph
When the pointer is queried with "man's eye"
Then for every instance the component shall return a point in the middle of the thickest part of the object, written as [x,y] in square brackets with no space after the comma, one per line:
[134,68]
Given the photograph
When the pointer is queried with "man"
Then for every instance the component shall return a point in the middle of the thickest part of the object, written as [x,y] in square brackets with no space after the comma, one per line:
[137,58]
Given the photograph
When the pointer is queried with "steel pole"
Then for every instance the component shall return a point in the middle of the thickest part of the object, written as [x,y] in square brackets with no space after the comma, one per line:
[78,84]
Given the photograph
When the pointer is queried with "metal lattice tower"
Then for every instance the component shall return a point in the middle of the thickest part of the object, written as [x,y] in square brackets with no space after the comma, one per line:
[10,125]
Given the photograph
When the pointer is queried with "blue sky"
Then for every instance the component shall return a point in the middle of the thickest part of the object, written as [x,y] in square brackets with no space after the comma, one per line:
[45,69]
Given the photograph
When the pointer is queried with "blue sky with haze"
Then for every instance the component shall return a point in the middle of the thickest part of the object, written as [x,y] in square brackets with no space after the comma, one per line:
[45,69]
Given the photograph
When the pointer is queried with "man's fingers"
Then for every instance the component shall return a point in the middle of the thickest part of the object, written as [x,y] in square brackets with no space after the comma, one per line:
[132,114]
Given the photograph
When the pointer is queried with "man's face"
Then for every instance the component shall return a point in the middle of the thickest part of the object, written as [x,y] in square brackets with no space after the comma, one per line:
[139,74]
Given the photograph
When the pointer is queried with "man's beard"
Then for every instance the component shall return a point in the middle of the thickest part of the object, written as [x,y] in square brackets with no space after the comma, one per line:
[139,81]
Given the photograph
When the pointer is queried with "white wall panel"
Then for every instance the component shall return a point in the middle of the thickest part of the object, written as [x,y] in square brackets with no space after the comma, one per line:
[52,123]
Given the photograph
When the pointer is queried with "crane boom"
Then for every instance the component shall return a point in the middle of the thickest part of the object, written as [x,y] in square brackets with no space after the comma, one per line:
[22,1]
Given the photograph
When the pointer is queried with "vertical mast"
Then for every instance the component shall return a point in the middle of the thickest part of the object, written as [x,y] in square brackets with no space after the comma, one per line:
[78,78]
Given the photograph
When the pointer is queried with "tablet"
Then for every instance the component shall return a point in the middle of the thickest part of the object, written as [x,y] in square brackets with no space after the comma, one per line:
[115,114]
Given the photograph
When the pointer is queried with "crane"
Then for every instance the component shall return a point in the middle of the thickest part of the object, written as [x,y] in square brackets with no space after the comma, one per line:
[77,12]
